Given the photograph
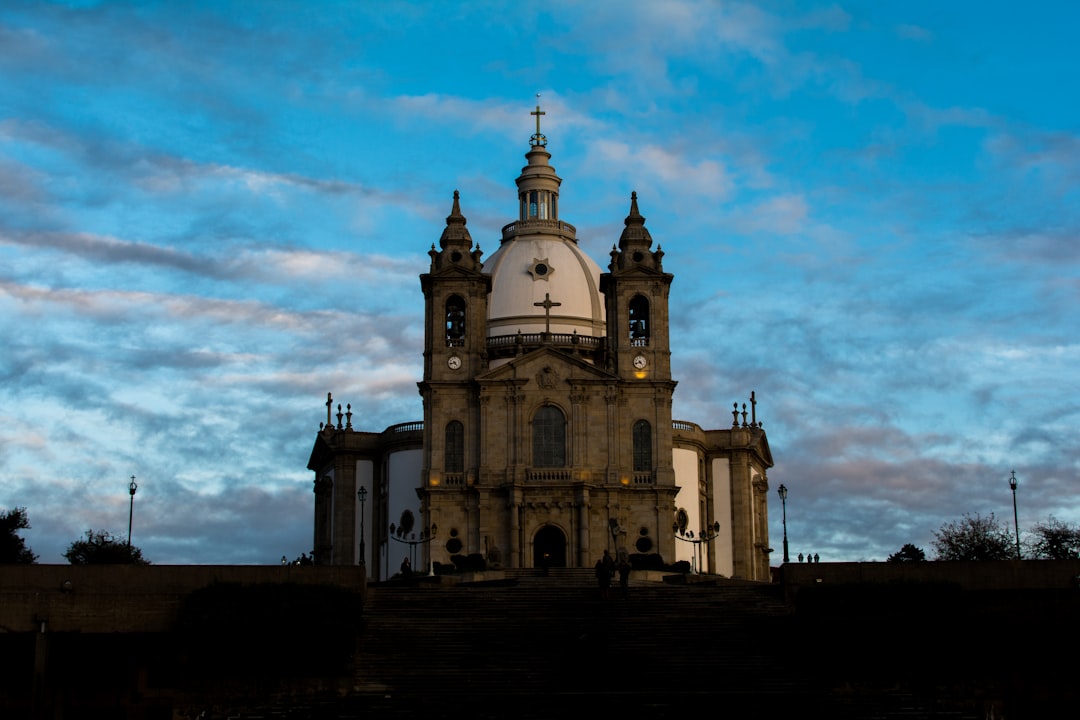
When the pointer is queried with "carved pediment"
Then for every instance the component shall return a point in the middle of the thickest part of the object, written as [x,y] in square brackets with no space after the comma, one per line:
[546,367]
[548,377]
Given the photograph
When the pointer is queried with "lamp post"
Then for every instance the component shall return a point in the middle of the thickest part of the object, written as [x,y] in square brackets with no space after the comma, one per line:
[361,495]
[412,541]
[1016,522]
[783,504]
[132,487]
[707,534]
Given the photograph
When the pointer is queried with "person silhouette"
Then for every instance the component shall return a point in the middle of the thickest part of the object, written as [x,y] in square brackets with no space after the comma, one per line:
[605,568]
[624,577]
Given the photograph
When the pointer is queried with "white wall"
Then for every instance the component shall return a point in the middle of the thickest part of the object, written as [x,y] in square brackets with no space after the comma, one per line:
[403,477]
[685,463]
[721,510]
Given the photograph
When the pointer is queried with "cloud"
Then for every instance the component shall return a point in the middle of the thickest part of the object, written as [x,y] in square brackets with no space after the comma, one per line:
[669,169]
[1051,160]
[914,32]
[159,172]
[657,34]
[113,250]
[780,215]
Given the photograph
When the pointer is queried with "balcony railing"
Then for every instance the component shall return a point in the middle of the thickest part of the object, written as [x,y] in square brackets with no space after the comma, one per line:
[500,341]
[536,225]
[548,474]
[684,426]
[406,427]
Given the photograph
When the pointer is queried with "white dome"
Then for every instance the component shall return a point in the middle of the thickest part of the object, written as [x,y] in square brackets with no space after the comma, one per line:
[529,268]
[544,289]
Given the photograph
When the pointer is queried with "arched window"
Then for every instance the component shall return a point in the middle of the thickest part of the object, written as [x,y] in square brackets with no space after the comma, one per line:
[639,320]
[455,321]
[549,437]
[642,446]
[454,461]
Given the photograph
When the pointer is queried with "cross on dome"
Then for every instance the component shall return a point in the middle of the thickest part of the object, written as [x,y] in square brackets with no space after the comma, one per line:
[538,139]
[547,304]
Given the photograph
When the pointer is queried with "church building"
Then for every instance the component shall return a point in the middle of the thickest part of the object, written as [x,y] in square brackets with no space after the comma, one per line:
[547,436]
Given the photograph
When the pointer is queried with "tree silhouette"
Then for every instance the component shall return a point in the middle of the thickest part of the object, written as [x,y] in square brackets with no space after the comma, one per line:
[406,523]
[13,548]
[974,538]
[101,547]
[1054,540]
[908,553]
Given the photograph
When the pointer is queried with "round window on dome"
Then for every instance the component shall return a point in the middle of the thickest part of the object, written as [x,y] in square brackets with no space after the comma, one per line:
[540,269]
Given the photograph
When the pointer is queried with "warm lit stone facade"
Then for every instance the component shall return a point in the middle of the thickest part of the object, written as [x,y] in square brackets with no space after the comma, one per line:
[547,434]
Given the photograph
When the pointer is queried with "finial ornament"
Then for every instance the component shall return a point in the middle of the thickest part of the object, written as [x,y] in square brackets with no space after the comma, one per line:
[455,217]
[538,140]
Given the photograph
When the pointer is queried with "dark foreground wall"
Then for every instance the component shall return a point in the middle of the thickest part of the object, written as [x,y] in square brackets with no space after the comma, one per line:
[981,639]
[141,642]
[130,598]
[966,575]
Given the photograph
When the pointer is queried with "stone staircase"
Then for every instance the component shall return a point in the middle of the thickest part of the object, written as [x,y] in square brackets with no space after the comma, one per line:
[549,643]
[531,646]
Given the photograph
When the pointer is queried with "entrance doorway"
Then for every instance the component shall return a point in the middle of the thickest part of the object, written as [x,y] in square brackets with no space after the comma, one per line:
[549,547]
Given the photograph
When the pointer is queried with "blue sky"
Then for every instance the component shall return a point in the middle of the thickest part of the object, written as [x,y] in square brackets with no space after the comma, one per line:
[212,214]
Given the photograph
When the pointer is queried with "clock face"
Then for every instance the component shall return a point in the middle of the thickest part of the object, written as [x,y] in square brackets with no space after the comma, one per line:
[454,362]
[640,362]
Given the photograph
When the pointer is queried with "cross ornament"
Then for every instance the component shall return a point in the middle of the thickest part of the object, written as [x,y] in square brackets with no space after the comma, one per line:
[547,305]
[538,112]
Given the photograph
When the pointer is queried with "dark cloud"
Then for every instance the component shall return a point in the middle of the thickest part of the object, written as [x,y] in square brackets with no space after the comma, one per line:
[105,249]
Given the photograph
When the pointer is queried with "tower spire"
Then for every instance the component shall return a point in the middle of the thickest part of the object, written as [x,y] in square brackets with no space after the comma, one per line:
[635,243]
[538,140]
[456,234]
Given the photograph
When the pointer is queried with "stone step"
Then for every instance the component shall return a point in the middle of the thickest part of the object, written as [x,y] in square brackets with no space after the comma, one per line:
[529,646]
[554,632]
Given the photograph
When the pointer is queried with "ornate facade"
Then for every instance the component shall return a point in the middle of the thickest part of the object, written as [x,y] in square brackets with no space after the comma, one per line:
[547,434]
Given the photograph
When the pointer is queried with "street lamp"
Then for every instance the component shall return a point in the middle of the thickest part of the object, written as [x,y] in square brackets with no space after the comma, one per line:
[361,495]
[707,535]
[783,504]
[411,540]
[132,487]
[1016,522]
